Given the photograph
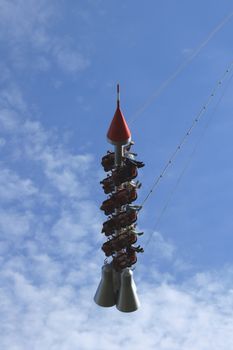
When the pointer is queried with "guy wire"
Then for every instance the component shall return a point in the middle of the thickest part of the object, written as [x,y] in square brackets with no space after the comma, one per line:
[189,159]
[188,132]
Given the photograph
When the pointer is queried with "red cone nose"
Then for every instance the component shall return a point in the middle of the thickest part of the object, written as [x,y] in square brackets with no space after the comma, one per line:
[118,132]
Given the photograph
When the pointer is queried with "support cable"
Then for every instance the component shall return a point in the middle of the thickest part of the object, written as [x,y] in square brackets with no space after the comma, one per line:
[180,68]
[188,132]
[188,161]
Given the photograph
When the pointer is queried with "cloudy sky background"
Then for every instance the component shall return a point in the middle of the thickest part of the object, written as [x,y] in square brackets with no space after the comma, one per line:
[60,62]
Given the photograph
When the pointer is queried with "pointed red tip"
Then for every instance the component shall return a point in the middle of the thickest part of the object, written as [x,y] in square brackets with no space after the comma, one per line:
[119,133]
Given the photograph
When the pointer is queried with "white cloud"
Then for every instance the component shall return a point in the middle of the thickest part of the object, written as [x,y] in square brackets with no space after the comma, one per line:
[28,28]
[159,246]
[70,60]
[15,223]
[170,318]
[50,269]
[11,97]
[8,119]
[65,171]
[22,18]
[12,187]
[51,259]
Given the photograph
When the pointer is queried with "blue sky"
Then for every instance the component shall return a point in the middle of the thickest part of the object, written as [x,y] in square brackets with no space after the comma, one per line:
[60,63]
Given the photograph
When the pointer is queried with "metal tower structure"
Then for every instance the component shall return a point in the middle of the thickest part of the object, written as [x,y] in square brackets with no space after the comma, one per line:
[117,286]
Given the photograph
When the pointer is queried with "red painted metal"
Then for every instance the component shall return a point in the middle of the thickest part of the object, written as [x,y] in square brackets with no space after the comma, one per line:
[118,132]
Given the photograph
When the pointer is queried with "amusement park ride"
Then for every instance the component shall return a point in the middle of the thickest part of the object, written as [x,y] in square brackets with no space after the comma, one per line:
[117,286]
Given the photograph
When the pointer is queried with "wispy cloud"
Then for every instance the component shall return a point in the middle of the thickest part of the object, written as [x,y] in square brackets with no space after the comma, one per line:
[172,317]
[27,139]
[50,264]
[12,187]
[29,27]
[70,60]
[51,259]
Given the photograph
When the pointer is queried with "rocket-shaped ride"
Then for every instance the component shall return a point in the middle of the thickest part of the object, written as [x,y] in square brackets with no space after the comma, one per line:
[117,286]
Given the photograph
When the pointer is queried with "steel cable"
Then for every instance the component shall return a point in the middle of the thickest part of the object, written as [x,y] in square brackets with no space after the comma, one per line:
[197,144]
[188,132]
[180,68]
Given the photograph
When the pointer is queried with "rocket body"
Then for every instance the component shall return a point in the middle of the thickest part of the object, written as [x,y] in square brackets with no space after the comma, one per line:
[120,225]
